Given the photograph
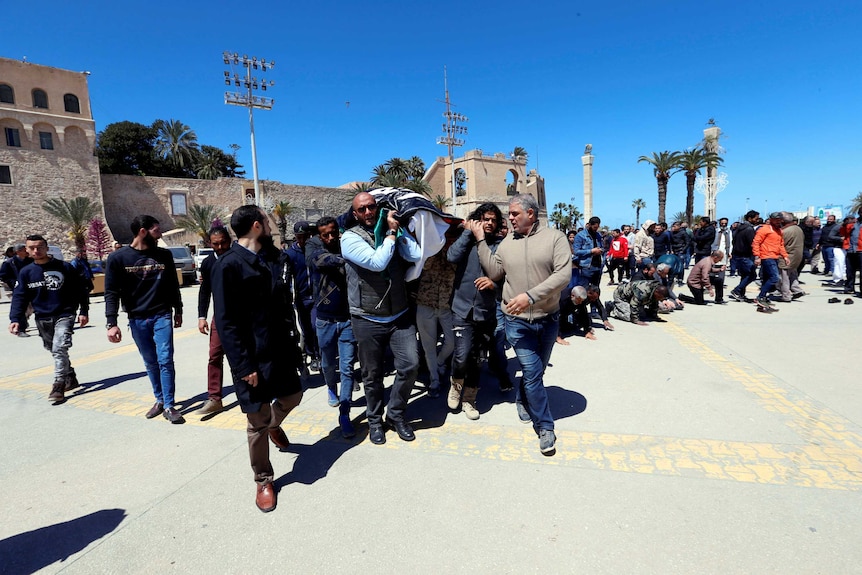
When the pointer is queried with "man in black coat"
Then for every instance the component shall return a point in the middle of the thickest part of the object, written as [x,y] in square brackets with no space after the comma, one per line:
[253,311]
[703,238]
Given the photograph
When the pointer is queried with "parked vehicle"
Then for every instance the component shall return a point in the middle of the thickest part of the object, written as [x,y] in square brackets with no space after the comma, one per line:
[200,256]
[184,261]
[56,252]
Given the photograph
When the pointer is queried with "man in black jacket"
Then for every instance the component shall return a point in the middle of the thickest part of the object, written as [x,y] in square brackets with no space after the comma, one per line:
[220,242]
[743,255]
[9,275]
[253,311]
[829,239]
[703,238]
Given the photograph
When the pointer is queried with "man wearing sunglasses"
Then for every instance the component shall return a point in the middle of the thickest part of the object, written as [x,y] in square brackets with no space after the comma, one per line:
[377,296]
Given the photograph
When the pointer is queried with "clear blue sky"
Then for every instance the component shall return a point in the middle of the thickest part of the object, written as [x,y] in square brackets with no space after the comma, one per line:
[782,79]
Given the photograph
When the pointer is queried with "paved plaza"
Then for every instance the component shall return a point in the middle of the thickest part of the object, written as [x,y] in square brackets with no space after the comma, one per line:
[721,441]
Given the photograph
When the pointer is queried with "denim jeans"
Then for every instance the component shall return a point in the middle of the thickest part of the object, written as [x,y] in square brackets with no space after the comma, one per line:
[533,342]
[747,271]
[471,337]
[373,338]
[769,269]
[154,337]
[56,333]
[827,260]
[336,340]
[431,322]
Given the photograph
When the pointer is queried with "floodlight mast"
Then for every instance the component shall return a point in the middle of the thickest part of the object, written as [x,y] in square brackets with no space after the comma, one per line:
[249,100]
[451,129]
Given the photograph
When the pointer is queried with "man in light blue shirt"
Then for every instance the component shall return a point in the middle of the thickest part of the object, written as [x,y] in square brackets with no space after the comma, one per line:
[379,310]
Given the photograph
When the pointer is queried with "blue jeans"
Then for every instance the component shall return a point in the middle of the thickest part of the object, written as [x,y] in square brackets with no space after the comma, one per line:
[533,343]
[747,271]
[336,340]
[154,337]
[828,259]
[769,269]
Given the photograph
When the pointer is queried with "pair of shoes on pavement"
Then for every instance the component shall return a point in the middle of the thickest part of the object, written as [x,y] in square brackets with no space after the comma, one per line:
[377,431]
[171,413]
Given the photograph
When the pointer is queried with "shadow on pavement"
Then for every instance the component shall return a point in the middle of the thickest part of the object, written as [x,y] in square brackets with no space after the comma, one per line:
[31,551]
[565,403]
[92,386]
[314,461]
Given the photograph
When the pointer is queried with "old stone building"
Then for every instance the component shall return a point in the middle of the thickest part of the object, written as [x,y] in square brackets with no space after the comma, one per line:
[483,178]
[47,150]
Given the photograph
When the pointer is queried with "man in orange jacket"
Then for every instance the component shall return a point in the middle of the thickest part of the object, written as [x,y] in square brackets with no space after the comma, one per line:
[768,247]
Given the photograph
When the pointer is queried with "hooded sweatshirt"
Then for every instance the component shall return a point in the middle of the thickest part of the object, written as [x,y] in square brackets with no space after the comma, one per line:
[644,247]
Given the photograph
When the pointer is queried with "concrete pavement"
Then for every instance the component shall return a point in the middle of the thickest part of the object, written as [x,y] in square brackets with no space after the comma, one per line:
[721,441]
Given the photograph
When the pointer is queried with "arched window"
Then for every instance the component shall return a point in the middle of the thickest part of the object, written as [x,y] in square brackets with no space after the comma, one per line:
[70,101]
[511,183]
[40,99]
[7,94]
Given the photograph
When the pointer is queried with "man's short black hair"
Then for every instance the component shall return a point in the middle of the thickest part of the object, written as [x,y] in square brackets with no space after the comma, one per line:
[595,220]
[750,214]
[142,222]
[218,230]
[243,218]
[37,238]
[325,221]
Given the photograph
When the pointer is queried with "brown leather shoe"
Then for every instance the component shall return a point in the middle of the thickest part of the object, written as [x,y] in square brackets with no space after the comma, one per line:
[279,439]
[266,499]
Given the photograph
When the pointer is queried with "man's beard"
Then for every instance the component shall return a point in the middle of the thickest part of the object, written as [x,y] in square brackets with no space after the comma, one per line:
[149,241]
[266,241]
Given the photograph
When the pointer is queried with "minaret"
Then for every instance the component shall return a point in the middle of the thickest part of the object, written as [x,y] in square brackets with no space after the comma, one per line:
[710,144]
[587,161]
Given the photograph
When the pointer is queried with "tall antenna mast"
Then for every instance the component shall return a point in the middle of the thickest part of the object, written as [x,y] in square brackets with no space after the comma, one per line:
[451,129]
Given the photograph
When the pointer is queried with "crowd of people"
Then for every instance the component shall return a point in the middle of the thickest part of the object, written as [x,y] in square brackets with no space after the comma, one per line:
[346,291]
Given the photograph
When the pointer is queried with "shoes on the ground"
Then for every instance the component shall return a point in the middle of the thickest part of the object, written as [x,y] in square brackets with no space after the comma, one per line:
[56,394]
[764,302]
[453,400]
[155,410]
[173,415]
[720,302]
[356,386]
[523,414]
[315,364]
[279,438]
[848,301]
[376,434]
[798,295]
[735,296]
[266,499]
[332,397]
[611,284]
[547,441]
[210,406]
[765,309]
[402,428]
[23,333]
[347,429]
[815,271]
[506,386]
[72,381]
[834,300]
[434,391]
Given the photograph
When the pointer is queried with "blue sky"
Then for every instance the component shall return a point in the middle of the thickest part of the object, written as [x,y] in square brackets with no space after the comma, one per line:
[782,80]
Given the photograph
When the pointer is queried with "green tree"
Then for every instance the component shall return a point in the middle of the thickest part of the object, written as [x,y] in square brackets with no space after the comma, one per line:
[440,202]
[856,204]
[664,164]
[574,214]
[127,148]
[520,152]
[199,220]
[558,216]
[691,162]
[281,210]
[638,205]
[177,144]
[207,165]
[679,217]
[416,168]
[75,214]
[400,173]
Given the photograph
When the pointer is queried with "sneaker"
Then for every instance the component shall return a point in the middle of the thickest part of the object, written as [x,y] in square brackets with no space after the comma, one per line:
[356,386]
[315,364]
[211,406]
[547,441]
[174,416]
[735,297]
[762,309]
[72,381]
[434,390]
[523,414]
[23,333]
[764,302]
[333,397]
[155,410]
[347,429]
[56,394]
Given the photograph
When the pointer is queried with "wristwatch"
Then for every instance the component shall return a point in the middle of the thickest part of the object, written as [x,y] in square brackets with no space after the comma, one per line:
[391,232]
[110,325]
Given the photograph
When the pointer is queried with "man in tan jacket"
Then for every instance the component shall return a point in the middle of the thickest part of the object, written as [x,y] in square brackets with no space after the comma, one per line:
[536,261]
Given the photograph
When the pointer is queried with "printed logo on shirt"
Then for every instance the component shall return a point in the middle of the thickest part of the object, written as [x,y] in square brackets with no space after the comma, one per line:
[52,280]
[146,268]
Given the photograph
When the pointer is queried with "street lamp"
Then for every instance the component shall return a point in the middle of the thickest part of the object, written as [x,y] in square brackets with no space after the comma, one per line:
[452,130]
[248,99]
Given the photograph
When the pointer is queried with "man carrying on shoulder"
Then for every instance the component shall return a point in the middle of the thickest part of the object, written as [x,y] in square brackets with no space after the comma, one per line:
[254,314]
[220,242]
[536,261]
[56,292]
[377,295]
[143,277]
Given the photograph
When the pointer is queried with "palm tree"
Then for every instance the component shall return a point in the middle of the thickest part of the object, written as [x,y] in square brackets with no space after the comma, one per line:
[360,187]
[199,220]
[691,162]
[559,217]
[281,210]
[575,216]
[856,204]
[440,202]
[176,143]
[377,173]
[419,186]
[638,205]
[398,167]
[520,152]
[416,168]
[76,215]
[207,165]
[679,217]
[664,164]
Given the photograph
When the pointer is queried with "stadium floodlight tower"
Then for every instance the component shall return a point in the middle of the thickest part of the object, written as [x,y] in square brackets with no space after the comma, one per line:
[450,139]
[249,100]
